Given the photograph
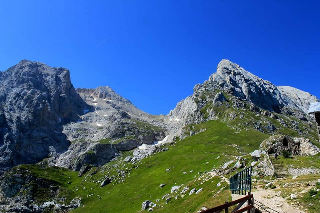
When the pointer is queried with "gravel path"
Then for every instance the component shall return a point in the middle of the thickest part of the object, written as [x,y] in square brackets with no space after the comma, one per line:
[272,200]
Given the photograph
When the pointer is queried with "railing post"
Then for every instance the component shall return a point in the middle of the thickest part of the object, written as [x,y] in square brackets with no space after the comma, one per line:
[249,202]
[253,209]
[226,210]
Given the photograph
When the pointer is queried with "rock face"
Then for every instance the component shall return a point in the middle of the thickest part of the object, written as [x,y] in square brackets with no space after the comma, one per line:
[276,144]
[111,124]
[19,188]
[235,88]
[233,79]
[298,98]
[86,153]
[35,101]
[112,116]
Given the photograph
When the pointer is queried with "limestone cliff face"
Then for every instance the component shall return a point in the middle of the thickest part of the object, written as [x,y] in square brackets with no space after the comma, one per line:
[298,98]
[35,101]
[109,119]
[245,91]
[235,80]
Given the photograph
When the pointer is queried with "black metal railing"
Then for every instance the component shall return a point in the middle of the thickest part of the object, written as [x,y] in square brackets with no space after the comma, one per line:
[240,183]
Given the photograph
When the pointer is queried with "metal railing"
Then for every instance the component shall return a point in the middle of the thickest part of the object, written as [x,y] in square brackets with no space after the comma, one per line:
[225,207]
[240,183]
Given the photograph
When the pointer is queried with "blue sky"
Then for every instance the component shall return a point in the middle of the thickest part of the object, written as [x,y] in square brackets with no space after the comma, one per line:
[153,52]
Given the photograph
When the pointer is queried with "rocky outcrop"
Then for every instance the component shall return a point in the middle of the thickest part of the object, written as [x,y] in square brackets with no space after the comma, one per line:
[35,101]
[85,153]
[238,82]
[112,116]
[277,144]
[298,98]
[110,123]
[127,145]
[24,191]
[307,147]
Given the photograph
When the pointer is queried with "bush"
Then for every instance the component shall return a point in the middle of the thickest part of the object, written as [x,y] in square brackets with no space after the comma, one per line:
[286,154]
[312,192]
[176,138]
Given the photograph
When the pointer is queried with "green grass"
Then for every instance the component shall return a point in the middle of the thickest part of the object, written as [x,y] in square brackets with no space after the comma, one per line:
[311,200]
[197,154]
[194,155]
[131,137]
[299,161]
[55,176]
[147,126]
[105,141]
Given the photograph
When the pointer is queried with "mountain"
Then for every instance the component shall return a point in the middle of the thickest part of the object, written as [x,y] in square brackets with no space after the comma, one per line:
[35,102]
[111,124]
[100,153]
[239,91]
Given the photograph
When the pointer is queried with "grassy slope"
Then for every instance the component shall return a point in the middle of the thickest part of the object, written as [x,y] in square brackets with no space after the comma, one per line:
[197,154]
[194,155]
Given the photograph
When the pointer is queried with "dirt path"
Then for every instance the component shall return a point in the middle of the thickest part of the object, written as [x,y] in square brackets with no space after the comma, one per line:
[272,200]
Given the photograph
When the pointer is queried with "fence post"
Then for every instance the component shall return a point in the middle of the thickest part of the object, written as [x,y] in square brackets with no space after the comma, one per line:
[253,209]
[249,202]
[226,210]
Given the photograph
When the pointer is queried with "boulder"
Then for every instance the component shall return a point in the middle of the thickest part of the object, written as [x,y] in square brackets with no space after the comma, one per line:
[145,205]
[175,189]
[127,145]
[105,182]
[256,154]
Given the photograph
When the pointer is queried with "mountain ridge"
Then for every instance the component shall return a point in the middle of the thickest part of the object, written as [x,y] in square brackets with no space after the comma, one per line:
[104,139]
[244,88]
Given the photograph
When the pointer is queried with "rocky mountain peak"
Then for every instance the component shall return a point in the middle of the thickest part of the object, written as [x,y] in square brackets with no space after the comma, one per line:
[102,92]
[35,101]
[236,81]
[235,88]
[227,68]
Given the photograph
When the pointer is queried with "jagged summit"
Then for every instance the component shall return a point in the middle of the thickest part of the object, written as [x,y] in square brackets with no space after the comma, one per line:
[245,89]
[235,80]
[35,101]
[103,92]
[227,67]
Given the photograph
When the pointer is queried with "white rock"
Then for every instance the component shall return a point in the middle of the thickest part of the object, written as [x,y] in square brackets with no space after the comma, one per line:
[256,154]
[227,164]
[192,191]
[254,163]
[200,190]
[293,196]
[175,189]
[237,165]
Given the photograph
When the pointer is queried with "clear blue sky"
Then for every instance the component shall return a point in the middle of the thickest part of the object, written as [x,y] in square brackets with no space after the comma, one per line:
[153,52]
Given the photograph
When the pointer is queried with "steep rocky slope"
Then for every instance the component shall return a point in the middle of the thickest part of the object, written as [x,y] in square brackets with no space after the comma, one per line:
[300,98]
[233,93]
[109,116]
[35,101]
[111,124]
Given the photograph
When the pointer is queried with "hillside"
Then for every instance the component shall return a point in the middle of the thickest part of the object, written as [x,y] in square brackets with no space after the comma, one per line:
[121,159]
